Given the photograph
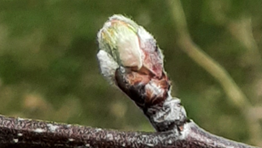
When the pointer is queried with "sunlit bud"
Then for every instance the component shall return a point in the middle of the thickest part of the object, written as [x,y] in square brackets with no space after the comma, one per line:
[130,45]
[118,37]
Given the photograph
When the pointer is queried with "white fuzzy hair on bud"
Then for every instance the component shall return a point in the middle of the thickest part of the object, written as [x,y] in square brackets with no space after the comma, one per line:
[107,65]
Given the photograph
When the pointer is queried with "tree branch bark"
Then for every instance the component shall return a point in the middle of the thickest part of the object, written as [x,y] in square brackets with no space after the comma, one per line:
[27,133]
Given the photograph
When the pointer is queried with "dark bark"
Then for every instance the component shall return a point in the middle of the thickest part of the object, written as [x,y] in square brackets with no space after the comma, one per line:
[26,133]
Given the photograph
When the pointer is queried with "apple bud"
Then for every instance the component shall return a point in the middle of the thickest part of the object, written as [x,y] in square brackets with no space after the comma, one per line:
[131,46]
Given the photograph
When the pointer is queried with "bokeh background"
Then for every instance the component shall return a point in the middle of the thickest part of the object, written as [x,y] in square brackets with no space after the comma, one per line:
[49,70]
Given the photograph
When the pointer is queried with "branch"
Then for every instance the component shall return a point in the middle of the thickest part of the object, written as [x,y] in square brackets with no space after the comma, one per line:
[215,69]
[26,133]
[130,59]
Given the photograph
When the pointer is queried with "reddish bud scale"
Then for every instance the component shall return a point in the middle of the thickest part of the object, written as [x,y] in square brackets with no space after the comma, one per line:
[150,89]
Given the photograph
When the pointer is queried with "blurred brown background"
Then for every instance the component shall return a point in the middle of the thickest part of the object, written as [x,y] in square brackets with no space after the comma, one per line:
[49,71]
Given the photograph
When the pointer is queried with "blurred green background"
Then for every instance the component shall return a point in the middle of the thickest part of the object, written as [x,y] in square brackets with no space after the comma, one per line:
[49,70]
